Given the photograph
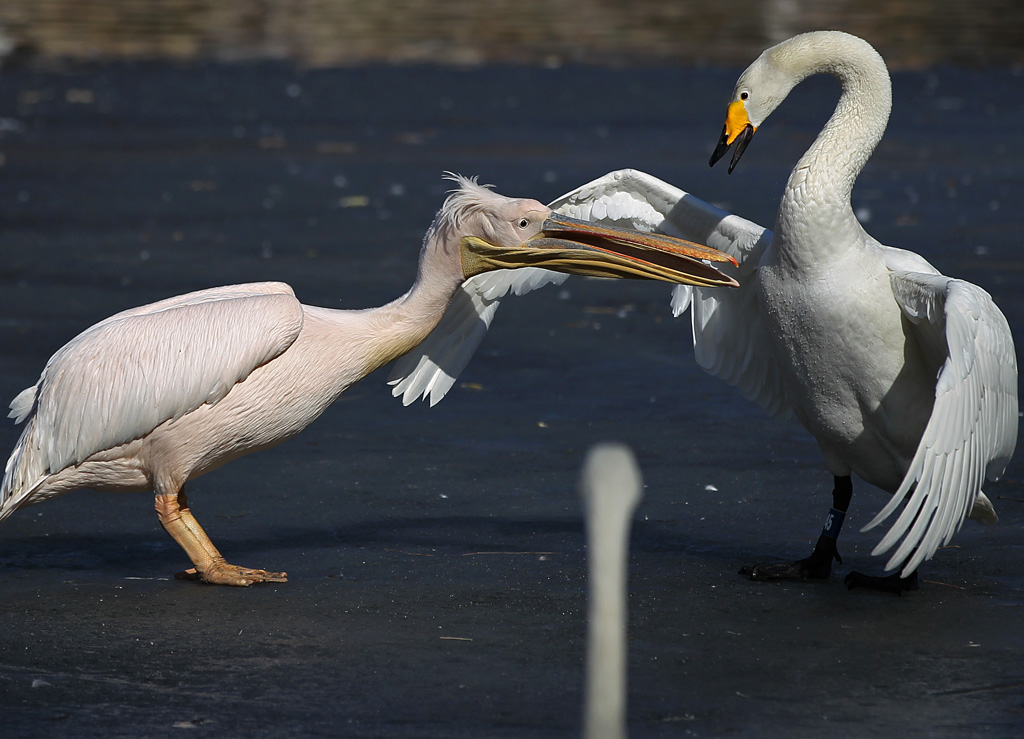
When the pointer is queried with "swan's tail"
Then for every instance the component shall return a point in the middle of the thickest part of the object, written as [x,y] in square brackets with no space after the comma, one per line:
[983,511]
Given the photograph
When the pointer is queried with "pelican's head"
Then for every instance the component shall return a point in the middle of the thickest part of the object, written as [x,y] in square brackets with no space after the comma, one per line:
[496,232]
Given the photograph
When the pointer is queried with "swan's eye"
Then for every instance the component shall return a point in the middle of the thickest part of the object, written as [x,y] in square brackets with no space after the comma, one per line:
[744,95]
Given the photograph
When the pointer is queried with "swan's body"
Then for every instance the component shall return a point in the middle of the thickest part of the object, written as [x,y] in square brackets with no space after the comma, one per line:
[157,395]
[905,377]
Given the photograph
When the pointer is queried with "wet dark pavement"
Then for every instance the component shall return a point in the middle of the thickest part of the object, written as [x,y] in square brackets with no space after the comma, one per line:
[435,556]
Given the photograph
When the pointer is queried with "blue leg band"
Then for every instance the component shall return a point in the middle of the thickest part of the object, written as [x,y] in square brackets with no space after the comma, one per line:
[833,523]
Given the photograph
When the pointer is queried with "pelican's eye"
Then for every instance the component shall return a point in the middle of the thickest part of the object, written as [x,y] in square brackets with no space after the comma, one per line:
[524,222]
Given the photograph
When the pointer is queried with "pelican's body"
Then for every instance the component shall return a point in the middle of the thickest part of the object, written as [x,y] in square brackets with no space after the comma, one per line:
[284,366]
[155,396]
[905,377]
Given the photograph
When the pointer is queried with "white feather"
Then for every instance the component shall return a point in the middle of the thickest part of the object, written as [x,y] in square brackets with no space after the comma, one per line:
[430,370]
[121,378]
[728,339]
[972,431]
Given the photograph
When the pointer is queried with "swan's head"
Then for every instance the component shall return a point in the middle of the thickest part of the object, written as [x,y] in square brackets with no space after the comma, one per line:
[766,83]
[759,90]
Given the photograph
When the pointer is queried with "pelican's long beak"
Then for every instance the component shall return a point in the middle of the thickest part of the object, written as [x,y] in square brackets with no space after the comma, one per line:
[739,129]
[585,248]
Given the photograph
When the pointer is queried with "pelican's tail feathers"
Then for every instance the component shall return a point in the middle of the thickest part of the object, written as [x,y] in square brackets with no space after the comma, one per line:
[20,483]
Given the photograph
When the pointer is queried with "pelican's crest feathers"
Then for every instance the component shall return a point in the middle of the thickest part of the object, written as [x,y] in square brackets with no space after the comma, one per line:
[466,200]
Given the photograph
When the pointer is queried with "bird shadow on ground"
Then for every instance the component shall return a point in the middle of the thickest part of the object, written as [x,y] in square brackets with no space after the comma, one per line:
[453,536]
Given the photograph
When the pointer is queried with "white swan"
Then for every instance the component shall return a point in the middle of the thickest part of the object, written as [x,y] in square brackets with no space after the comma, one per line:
[904,376]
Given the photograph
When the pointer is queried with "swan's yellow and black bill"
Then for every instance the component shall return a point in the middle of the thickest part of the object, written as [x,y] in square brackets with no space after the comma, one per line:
[597,250]
[739,130]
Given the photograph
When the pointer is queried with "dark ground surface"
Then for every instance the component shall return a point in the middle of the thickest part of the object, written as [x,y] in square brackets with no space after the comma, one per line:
[436,556]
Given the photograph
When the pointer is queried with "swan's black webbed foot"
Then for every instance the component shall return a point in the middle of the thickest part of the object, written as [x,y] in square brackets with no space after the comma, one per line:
[818,566]
[887,584]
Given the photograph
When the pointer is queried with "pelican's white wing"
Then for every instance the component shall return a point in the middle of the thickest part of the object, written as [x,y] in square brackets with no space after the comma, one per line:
[729,340]
[124,376]
[972,431]
[430,370]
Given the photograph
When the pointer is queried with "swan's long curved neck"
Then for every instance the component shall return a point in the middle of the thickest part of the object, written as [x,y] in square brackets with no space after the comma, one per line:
[821,184]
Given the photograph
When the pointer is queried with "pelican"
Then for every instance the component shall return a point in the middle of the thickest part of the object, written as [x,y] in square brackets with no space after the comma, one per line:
[155,396]
[904,376]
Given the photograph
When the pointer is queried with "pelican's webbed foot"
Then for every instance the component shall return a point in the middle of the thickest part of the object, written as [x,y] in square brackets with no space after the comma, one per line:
[886,584]
[818,566]
[222,573]
[177,519]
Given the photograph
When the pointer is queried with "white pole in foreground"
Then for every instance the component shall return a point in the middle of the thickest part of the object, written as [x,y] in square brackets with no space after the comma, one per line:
[611,487]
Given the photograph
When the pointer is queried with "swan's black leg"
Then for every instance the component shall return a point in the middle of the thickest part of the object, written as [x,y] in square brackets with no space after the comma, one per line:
[888,584]
[818,566]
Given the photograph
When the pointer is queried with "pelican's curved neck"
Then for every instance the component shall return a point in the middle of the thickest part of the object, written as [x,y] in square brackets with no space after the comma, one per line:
[822,181]
[373,337]
[404,323]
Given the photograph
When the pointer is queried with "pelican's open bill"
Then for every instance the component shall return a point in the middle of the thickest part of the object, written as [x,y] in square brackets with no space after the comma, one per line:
[583,248]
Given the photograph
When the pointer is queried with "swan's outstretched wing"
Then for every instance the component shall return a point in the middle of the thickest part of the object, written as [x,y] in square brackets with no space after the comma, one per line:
[121,378]
[973,427]
[729,341]
[429,370]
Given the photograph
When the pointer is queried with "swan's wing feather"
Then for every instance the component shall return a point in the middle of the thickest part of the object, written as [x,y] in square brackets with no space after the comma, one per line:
[972,431]
[429,371]
[729,339]
[628,198]
[124,376]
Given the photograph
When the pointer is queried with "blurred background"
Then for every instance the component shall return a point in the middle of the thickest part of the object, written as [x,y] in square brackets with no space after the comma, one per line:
[317,33]
[153,147]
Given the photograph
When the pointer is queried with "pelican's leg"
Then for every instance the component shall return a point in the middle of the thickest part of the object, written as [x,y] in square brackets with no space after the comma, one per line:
[178,521]
[818,566]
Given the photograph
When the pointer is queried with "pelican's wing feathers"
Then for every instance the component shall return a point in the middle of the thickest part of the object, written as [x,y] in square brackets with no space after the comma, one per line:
[729,340]
[972,430]
[126,375]
[429,371]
